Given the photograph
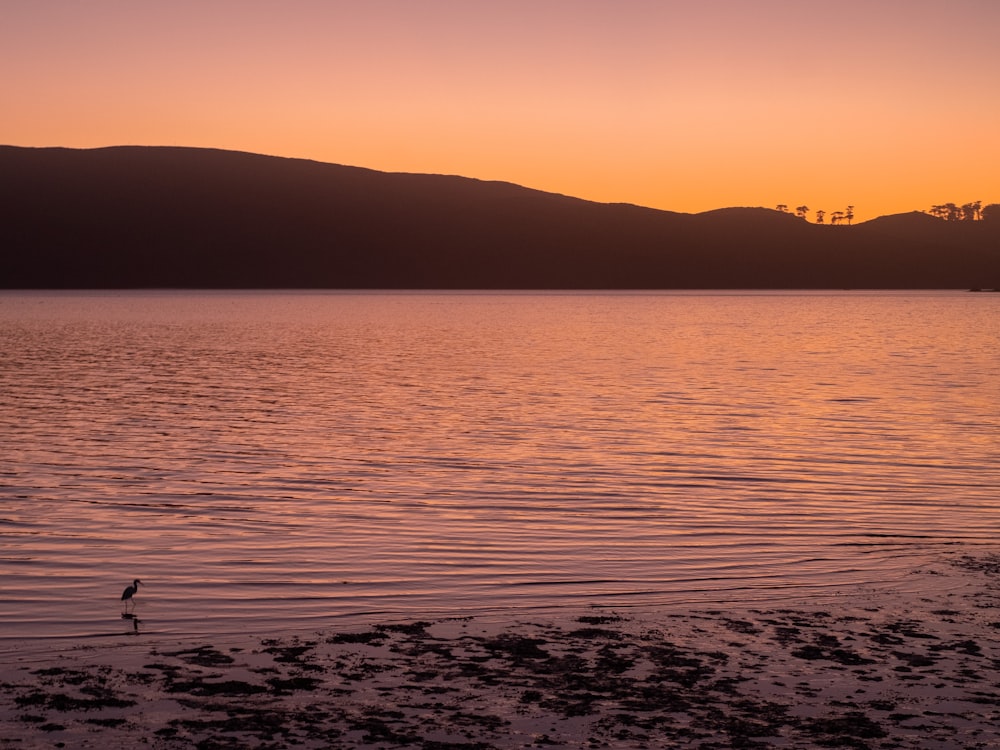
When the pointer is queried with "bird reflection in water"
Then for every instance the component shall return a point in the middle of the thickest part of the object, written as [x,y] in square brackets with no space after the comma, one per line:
[135,621]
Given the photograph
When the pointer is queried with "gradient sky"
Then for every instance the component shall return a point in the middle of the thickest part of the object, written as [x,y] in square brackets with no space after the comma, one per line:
[889,105]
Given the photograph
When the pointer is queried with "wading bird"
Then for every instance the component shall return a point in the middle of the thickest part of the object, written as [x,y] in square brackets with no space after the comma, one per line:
[129,592]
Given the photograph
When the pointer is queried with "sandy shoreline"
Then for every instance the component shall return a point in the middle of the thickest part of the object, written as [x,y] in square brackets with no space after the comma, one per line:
[871,670]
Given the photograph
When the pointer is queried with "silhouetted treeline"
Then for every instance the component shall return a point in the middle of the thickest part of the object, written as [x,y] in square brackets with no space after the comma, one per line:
[198,218]
[836,217]
[974,211]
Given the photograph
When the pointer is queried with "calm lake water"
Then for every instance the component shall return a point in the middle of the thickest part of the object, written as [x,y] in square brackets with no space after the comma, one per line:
[273,460]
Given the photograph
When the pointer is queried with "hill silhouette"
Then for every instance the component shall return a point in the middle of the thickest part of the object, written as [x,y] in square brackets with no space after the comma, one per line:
[135,217]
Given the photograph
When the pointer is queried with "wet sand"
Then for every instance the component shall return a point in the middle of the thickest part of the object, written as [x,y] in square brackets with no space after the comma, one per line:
[864,669]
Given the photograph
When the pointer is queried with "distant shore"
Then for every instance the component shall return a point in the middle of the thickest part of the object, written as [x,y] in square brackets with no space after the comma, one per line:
[871,671]
[132,217]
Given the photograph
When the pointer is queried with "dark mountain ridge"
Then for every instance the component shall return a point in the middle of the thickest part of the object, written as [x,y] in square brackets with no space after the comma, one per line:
[167,217]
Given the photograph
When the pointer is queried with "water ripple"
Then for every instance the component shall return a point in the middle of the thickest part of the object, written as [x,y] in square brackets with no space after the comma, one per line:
[269,458]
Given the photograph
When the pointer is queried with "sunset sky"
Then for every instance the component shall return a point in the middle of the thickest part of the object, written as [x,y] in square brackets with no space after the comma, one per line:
[889,105]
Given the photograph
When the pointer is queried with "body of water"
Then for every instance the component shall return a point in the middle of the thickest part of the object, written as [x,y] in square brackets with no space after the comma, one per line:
[271,460]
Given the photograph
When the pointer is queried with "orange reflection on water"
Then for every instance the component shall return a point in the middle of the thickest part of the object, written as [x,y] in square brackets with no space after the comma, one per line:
[273,457]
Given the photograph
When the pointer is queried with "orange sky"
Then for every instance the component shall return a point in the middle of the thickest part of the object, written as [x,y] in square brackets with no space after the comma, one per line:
[889,105]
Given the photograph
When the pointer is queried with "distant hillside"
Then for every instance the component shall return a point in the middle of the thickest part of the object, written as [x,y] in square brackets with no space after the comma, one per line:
[200,218]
